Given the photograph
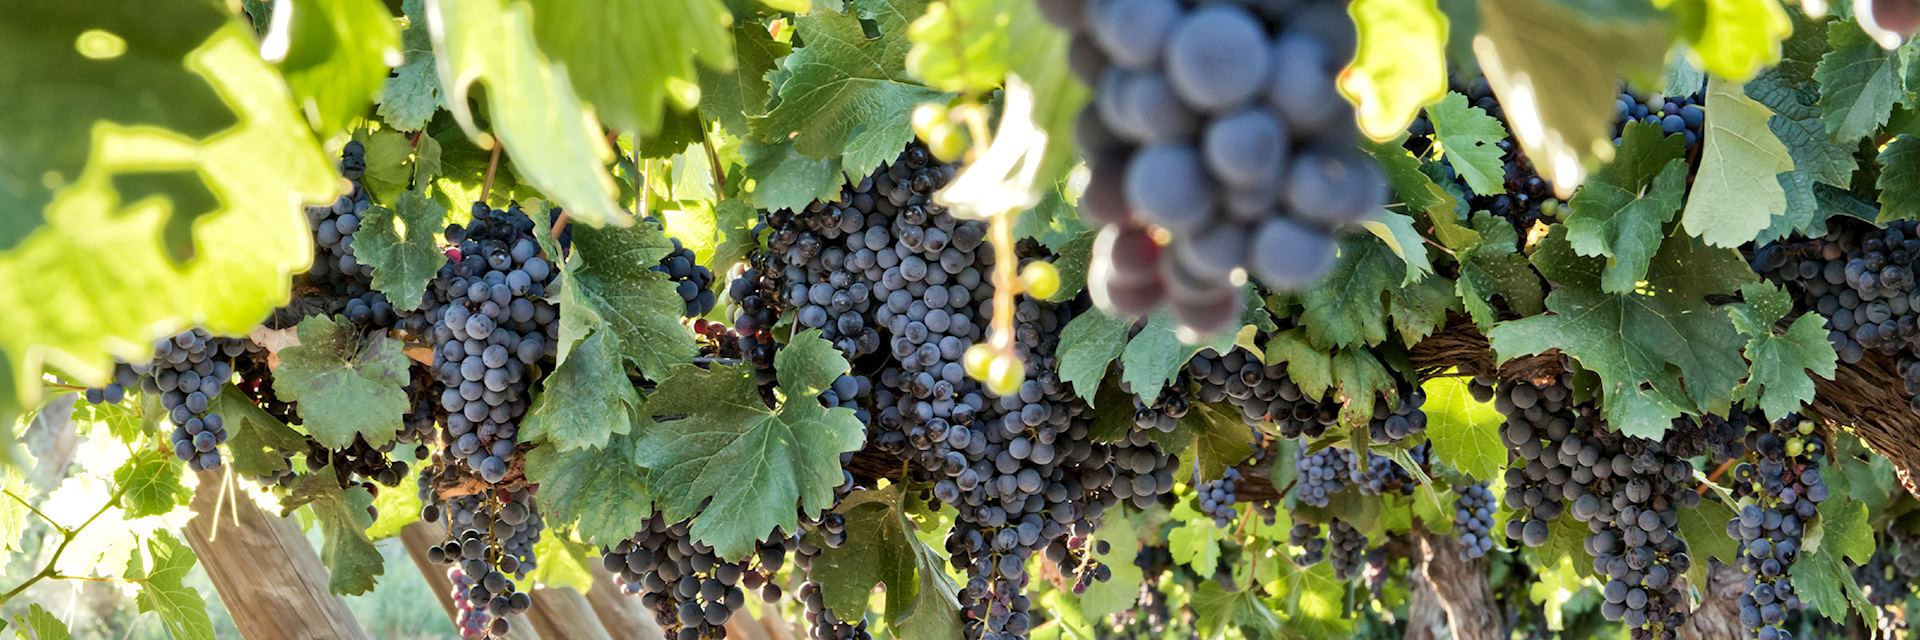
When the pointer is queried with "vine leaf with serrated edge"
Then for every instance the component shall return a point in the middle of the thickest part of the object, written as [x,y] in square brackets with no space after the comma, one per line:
[353,564]
[1779,383]
[181,609]
[599,491]
[1470,138]
[1737,193]
[346,384]
[881,548]
[1622,211]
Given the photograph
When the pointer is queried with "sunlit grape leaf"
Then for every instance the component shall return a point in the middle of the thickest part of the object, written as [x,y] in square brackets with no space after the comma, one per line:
[1312,599]
[586,399]
[1221,439]
[335,55]
[1555,585]
[412,94]
[1091,341]
[1465,432]
[1496,268]
[145,142]
[1899,180]
[1397,232]
[1780,383]
[1790,91]
[150,484]
[1736,196]
[1859,82]
[1119,593]
[849,96]
[881,549]
[601,492]
[1705,530]
[1621,213]
[961,45]
[1556,94]
[182,611]
[626,58]
[1220,609]
[1311,368]
[346,385]
[564,156]
[1469,139]
[1428,201]
[614,278]
[259,444]
[13,514]
[1400,64]
[39,624]
[738,468]
[1195,542]
[353,564]
[1419,310]
[564,563]
[785,179]
[1658,353]
[735,96]
[1734,39]
[396,510]
[1156,354]
[1821,575]
[402,246]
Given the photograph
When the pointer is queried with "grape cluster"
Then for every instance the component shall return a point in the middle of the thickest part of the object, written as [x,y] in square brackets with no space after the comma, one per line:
[692,280]
[690,591]
[492,332]
[489,545]
[1164,412]
[1263,393]
[1861,280]
[1393,422]
[1313,546]
[1538,421]
[334,224]
[1219,123]
[1322,474]
[1473,520]
[1217,497]
[1348,548]
[1383,476]
[188,372]
[1778,492]
[1682,115]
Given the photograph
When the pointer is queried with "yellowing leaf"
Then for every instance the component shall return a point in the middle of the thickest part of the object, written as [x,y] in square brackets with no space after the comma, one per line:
[1400,65]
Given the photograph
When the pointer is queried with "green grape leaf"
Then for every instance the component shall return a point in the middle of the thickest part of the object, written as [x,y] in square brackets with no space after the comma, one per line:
[1566,540]
[1420,309]
[353,564]
[13,514]
[1734,39]
[1821,574]
[259,444]
[1348,308]
[1859,82]
[961,45]
[1432,204]
[784,179]
[1433,504]
[849,96]
[1313,601]
[1311,368]
[402,246]
[1790,91]
[624,59]
[1496,268]
[1119,593]
[1469,138]
[602,492]
[1091,341]
[733,234]
[1705,530]
[1400,63]
[1736,195]
[1220,609]
[1072,259]
[1156,354]
[1658,354]
[390,163]
[1221,439]
[395,510]
[1555,585]
[412,94]
[881,549]
[39,624]
[1620,213]
[1195,542]
[162,590]
[345,386]
[144,141]
[1779,383]
[1899,180]
[585,400]
[614,278]
[1465,432]
[759,467]
[150,484]
[334,55]
[1557,95]
[732,98]
[1396,230]
[492,42]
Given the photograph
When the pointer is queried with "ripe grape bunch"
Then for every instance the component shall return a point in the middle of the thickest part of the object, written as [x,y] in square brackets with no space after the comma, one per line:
[1218,124]
[1473,520]
[1263,393]
[1539,421]
[692,280]
[492,331]
[490,538]
[1861,280]
[187,372]
[1779,493]
[1682,115]
[691,591]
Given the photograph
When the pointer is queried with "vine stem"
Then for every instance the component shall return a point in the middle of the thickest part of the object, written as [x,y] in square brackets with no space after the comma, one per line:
[493,164]
[31,508]
[1715,476]
[67,537]
[713,161]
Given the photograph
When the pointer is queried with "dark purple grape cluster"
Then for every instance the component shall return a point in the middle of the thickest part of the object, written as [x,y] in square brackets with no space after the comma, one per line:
[1322,474]
[1163,412]
[1218,123]
[1778,493]
[692,280]
[1348,548]
[1861,279]
[1889,576]
[691,591]
[1675,115]
[1539,420]
[1313,546]
[1399,420]
[489,545]
[493,332]
[188,372]
[1473,520]
[1263,393]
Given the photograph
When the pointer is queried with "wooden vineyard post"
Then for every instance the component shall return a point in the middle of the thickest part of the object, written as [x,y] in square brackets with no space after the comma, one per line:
[620,613]
[420,535]
[561,613]
[267,573]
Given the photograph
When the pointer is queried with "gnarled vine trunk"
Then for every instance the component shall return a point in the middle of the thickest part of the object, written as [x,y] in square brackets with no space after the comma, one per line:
[1461,586]
[1718,615]
[1426,619]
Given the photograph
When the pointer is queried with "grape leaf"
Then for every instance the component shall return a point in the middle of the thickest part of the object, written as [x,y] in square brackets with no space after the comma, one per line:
[1779,383]
[1859,82]
[1348,308]
[1195,542]
[1219,609]
[1313,601]
[1790,91]
[733,97]
[1899,180]
[1470,139]
[585,400]
[412,94]
[1400,63]
[614,278]
[259,444]
[1122,590]
[353,564]
[1465,432]
[1736,195]
[785,179]
[1420,309]
[39,624]
[1428,200]
[1090,342]
[149,151]
[13,514]
[563,563]
[150,484]
[334,55]
[961,45]
[1734,39]
[394,511]
[1621,212]
[1396,230]
[181,609]
[1820,574]
[602,492]
[733,234]
[1557,95]
[1221,439]
[389,160]
[345,386]
[1156,354]
[1557,584]
[492,42]
[1309,367]
[1705,530]
[881,549]
[624,59]
[402,247]
[1658,354]
[755,465]
[1493,268]
[849,96]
